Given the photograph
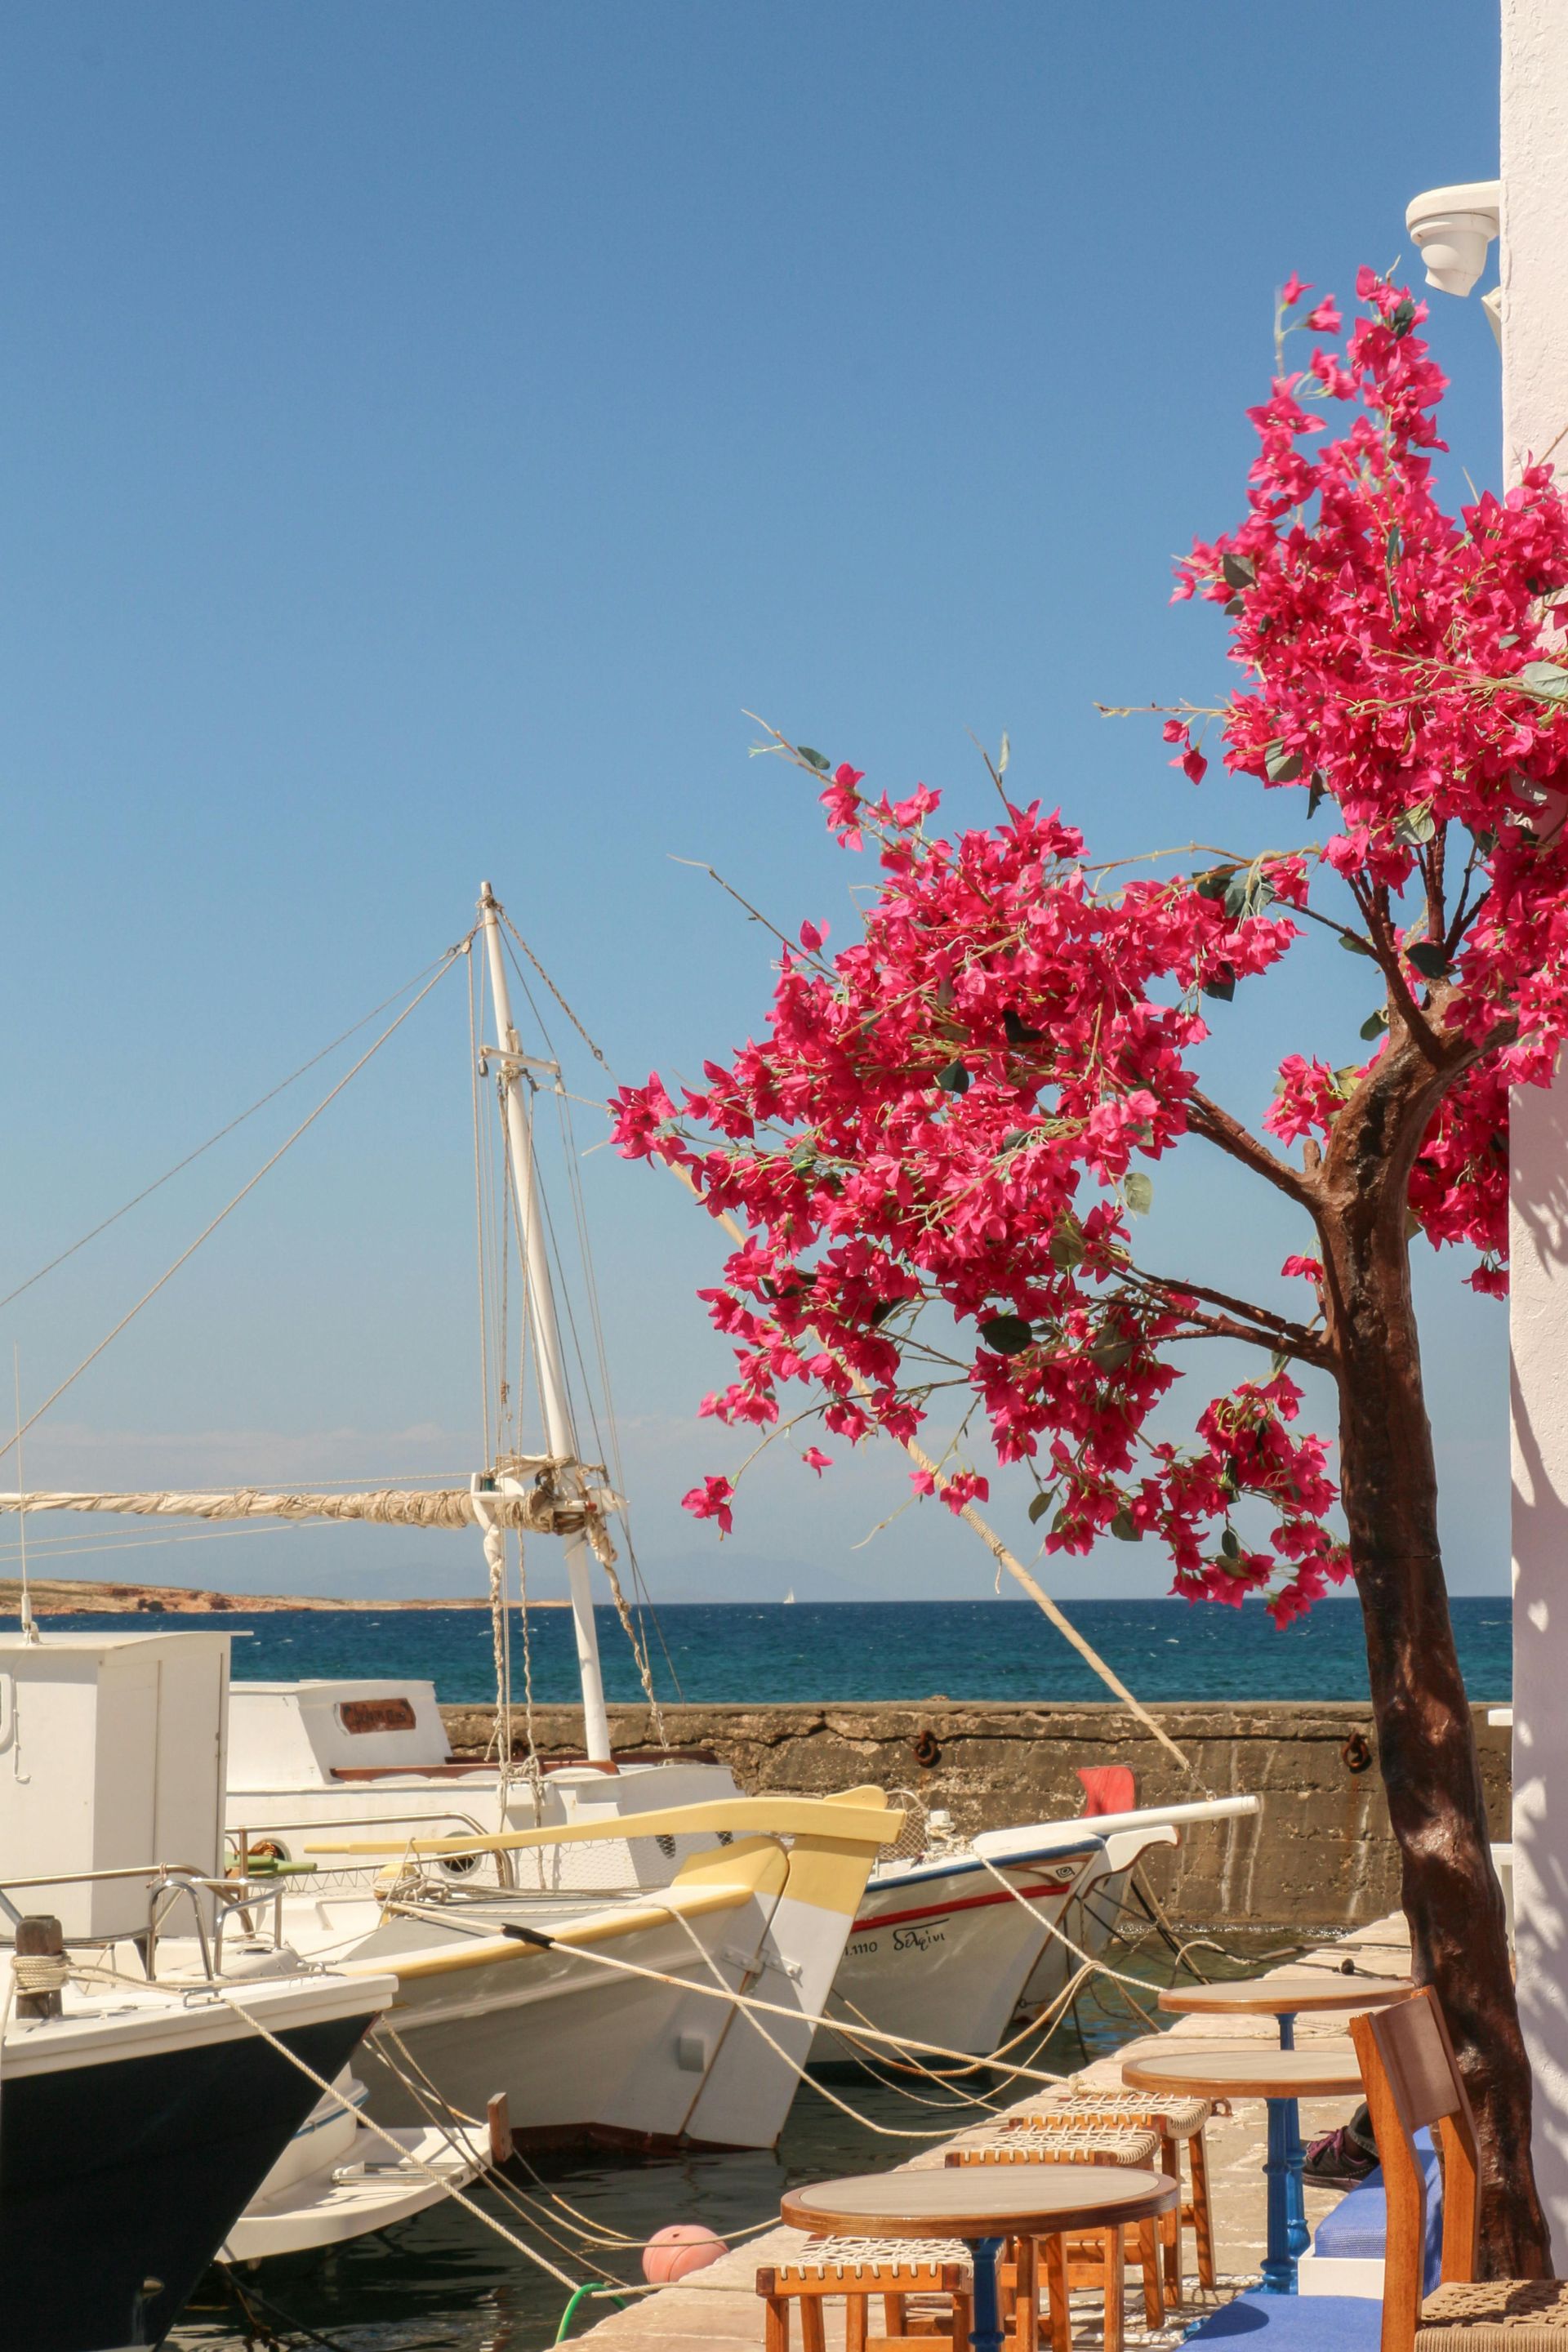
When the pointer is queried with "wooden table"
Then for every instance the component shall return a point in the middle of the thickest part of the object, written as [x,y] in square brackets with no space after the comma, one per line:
[1286,1995]
[1292,1993]
[1247,2070]
[983,2204]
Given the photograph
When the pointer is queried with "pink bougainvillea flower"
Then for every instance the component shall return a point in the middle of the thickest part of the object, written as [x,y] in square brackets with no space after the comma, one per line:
[815,1459]
[712,1500]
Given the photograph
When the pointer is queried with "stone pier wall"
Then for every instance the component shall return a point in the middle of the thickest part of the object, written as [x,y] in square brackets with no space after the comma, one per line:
[1320,1856]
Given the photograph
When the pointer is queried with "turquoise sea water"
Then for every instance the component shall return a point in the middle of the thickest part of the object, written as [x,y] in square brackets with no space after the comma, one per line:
[1164,1649]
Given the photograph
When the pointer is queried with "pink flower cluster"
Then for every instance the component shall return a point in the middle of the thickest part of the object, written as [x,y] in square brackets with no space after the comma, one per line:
[960,1109]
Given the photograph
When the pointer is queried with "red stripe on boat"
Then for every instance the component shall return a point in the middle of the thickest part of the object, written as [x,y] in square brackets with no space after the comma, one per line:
[968,1903]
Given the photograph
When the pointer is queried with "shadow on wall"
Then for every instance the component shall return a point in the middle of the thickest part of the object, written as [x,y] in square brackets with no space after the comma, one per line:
[1539,1405]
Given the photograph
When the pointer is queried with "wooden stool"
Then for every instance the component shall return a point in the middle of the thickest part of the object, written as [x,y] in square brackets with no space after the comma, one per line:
[897,2269]
[1178,2121]
[1096,2259]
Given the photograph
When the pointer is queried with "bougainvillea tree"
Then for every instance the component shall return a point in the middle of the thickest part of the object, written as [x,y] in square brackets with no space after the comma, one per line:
[948,1125]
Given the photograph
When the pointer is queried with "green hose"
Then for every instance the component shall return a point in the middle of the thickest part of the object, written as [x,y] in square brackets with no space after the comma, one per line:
[589,2286]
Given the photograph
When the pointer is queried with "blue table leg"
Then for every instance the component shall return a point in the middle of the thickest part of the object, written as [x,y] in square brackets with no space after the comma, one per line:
[986,2334]
[1279,2262]
[1288,2234]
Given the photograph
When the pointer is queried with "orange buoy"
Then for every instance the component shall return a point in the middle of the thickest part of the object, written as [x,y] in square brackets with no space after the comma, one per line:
[676,2252]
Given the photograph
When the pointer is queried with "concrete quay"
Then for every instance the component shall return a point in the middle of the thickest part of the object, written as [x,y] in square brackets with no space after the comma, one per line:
[719,2309]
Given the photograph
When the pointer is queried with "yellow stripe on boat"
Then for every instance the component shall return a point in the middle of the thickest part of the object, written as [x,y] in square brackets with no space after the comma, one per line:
[721,1880]
[855,1817]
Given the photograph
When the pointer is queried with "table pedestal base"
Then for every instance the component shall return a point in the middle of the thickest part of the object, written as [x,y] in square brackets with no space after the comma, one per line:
[1288,2234]
[985,2335]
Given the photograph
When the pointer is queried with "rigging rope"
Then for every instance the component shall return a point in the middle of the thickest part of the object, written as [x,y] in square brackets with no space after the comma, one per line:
[55,1394]
[259,1104]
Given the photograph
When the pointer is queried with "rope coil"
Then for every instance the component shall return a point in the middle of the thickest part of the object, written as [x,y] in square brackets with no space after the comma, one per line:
[36,1972]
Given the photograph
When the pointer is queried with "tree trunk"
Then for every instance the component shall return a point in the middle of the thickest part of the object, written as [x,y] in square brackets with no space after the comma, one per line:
[1426,1735]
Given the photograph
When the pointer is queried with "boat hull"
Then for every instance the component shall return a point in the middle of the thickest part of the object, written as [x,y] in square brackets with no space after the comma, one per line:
[119,2180]
[940,1952]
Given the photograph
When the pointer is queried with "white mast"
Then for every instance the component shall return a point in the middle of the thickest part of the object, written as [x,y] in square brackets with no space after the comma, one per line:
[560,1436]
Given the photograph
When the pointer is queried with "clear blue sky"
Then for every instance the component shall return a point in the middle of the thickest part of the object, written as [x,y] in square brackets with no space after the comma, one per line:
[427,430]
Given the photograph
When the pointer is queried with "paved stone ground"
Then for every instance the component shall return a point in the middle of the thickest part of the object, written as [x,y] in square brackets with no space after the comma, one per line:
[719,2311]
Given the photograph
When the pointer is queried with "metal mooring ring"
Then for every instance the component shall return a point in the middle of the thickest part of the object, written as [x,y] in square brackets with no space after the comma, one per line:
[1356,1753]
[926,1749]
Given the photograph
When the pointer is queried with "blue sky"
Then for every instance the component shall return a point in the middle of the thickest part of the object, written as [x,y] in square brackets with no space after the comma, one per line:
[428,431]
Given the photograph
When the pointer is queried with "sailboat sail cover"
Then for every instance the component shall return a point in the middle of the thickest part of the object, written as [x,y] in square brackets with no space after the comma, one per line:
[536,1512]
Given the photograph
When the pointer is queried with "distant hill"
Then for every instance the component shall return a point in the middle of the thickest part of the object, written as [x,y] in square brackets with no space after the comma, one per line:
[62,1596]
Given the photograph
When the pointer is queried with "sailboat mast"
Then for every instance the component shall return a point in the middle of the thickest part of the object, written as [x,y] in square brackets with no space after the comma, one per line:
[560,1434]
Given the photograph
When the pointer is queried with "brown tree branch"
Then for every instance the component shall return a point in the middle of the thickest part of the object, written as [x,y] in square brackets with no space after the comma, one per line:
[1217,1125]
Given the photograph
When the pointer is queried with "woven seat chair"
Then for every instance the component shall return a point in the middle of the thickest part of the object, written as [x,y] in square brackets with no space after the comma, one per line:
[1412,2082]
[1179,2123]
[1090,2258]
[924,2286]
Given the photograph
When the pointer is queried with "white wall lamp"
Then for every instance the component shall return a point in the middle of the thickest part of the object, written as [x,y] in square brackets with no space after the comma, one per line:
[1452,228]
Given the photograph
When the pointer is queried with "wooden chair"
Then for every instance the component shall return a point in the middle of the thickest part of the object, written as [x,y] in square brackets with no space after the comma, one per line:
[910,2279]
[1412,2081]
[1090,2259]
[1179,2123]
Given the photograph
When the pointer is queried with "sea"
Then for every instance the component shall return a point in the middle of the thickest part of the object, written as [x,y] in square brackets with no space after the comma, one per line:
[844,1651]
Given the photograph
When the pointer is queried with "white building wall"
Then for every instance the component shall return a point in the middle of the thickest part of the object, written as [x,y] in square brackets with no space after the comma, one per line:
[1535,247]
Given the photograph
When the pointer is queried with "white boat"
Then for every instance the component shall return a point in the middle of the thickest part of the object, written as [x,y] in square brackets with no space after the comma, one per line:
[137,2118]
[943,1946]
[611,2014]
[951,1945]
[341,2177]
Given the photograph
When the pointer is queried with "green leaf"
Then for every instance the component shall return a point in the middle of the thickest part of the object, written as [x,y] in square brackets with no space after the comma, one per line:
[1061,1521]
[954,1079]
[1040,1505]
[1401,320]
[1414,825]
[1353,946]
[1249,892]
[816,758]
[1138,1192]
[1413,1224]
[1280,766]
[1125,1529]
[1229,1545]
[1429,959]
[1278,1362]
[1346,1080]
[1018,1031]
[1317,792]
[1009,1334]
[1224,989]
[1067,1249]
[1111,1352]
[1375,1024]
[1238,570]
[1216,883]
[1545,679]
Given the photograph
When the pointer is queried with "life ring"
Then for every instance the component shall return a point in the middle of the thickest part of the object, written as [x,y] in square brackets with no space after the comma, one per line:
[926,1749]
[1356,1753]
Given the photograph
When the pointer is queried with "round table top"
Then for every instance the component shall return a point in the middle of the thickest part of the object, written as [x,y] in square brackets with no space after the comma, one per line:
[1247,2070]
[1291,1992]
[980,2201]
